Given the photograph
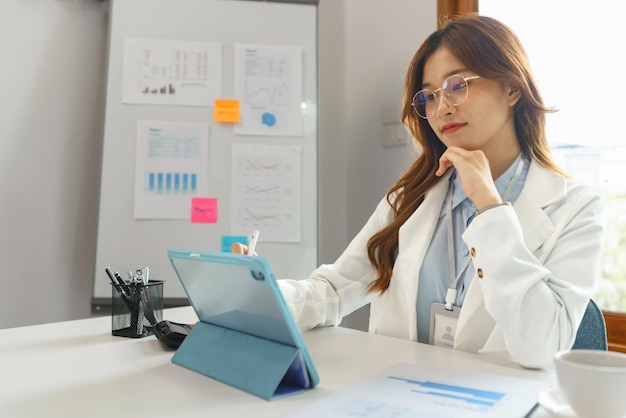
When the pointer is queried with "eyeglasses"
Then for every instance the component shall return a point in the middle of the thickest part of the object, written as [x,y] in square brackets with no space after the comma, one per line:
[454,90]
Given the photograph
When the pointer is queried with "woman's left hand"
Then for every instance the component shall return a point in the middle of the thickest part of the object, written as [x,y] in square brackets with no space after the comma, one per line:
[475,173]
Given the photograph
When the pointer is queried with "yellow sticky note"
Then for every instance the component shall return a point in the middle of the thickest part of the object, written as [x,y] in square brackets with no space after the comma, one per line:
[226,110]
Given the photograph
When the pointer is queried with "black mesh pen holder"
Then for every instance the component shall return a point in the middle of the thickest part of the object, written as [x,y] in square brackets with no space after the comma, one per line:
[136,308]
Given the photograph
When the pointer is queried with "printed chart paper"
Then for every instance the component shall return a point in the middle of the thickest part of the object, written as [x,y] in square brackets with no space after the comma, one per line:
[268,83]
[407,390]
[172,167]
[265,191]
[163,72]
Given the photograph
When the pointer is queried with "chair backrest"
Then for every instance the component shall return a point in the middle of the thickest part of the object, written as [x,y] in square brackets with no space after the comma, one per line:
[591,333]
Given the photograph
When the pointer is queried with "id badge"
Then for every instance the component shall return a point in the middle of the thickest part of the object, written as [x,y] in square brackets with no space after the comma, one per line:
[443,325]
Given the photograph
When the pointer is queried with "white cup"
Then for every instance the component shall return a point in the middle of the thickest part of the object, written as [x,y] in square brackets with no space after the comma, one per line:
[593,382]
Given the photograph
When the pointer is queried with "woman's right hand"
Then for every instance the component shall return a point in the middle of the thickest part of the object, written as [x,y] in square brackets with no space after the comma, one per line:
[474,170]
[239,248]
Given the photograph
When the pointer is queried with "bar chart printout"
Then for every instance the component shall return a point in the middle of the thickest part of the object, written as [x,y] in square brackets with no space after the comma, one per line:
[169,72]
[406,390]
[171,168]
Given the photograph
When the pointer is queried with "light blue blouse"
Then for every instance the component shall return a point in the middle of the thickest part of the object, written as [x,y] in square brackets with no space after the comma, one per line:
[434,277]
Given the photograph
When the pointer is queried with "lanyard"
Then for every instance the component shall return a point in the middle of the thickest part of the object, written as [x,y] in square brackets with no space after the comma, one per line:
[454,278]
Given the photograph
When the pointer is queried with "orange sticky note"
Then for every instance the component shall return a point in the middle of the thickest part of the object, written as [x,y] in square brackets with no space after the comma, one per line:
[203,210]
[226,110]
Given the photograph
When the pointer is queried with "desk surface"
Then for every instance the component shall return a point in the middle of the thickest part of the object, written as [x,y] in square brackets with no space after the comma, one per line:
[78,369]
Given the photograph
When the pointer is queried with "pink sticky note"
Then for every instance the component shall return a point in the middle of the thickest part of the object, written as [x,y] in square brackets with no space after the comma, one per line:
[203,210]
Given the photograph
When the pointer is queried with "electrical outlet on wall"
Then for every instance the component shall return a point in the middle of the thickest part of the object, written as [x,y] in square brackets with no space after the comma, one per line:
[394,134]
[393,131]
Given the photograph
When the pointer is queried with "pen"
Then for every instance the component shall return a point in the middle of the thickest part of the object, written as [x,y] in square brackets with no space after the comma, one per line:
[110,274]
[121,281]
[117,280]
[118,286]
[532,411]
[252,242]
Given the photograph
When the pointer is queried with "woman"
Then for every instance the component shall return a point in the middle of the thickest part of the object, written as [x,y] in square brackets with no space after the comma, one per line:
[484,244]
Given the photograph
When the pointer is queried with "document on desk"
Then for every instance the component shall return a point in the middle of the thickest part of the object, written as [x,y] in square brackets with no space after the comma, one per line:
[406,390]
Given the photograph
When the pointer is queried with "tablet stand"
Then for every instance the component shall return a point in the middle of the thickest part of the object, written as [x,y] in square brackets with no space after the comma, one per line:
[259,366]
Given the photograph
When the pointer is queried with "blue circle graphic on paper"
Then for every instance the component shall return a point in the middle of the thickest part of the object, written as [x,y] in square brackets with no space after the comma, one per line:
[268,119]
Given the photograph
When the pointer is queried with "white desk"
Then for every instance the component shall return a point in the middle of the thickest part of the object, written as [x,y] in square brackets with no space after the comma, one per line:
[78,369]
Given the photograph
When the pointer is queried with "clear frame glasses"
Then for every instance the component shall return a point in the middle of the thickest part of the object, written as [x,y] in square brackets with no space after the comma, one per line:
[454,90]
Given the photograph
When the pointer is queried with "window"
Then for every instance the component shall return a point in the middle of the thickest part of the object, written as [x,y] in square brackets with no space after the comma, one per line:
[576,60]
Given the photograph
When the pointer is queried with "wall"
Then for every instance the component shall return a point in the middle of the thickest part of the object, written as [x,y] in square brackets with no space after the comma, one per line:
[380,40]
[52,112]
[376,63]
[51,115]
[332,130]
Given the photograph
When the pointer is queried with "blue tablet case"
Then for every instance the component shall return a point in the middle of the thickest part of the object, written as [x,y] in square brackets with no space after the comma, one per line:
[245,336]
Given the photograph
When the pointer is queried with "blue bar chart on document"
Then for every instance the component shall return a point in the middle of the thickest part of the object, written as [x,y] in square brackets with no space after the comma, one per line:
[171,182]
[136,303]
[409,390]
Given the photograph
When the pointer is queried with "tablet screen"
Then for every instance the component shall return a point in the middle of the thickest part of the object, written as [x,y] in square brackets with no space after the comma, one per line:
[236,292]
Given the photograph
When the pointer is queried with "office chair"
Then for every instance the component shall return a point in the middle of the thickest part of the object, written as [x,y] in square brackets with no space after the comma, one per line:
[591,333]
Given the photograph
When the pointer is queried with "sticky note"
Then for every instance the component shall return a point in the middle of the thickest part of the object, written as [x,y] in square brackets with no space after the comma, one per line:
[228,240]
[226,110]
[203,210]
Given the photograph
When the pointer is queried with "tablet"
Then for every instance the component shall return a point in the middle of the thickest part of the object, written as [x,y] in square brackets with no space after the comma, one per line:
[239,293]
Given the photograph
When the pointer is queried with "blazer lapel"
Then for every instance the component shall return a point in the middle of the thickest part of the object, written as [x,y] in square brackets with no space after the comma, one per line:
[542,188]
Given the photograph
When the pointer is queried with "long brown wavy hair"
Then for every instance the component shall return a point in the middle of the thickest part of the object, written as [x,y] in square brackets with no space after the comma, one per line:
[491,50]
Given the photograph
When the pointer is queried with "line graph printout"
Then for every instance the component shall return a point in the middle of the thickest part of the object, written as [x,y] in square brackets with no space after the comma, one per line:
[268,84]
[265,191]
[407,390]
[171,168]
[165,72]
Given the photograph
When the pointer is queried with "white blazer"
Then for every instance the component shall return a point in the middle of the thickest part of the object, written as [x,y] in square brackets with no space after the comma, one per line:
[538,261]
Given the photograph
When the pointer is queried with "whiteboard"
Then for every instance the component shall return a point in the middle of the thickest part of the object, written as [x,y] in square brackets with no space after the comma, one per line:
[125,241]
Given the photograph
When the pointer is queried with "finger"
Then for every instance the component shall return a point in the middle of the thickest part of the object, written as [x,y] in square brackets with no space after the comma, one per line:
[443,167]
[444,163]
[238,248]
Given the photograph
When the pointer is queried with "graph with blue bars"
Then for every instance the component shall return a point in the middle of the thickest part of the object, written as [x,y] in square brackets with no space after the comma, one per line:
[470,398]
[168,182]
[411,390]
